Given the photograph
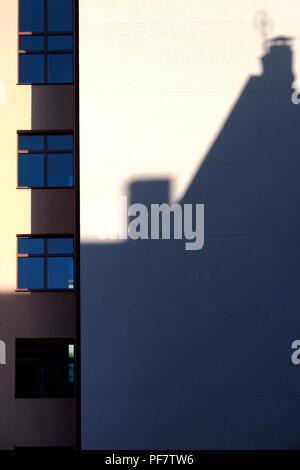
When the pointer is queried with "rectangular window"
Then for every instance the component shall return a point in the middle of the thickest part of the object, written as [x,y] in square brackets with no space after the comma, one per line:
[45,41]
[45,263]
[45,160]
[44,368]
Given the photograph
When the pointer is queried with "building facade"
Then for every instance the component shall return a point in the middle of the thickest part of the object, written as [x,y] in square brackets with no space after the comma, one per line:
[39,235]
[112,343]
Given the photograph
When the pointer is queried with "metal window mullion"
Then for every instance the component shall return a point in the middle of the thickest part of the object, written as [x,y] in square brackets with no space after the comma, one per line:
[60,255]
[33,152]
[45,265]
[45,41]
[30,255]
[45,163]
[31,33]
[41,33]
[45,65]
[31,51]
[60,33]
[59,51]
[60,151]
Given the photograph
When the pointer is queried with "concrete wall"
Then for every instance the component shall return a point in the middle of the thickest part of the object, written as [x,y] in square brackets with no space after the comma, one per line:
[26,422]
[190,349]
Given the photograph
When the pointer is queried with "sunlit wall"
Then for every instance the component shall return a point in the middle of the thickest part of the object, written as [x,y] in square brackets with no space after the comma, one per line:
[158,79]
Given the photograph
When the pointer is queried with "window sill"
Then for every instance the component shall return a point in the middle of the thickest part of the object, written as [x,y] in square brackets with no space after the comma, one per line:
[43,84]
[45,290]
[45,187]
[55,397]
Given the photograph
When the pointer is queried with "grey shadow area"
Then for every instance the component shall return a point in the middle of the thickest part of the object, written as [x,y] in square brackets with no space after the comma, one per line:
[192,349]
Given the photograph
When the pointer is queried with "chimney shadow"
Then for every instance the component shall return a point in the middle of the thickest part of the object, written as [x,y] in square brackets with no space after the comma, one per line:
[187,349]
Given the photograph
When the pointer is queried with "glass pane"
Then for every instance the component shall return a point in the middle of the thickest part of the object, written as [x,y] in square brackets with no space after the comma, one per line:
[31,43]
[31,142]
[31,68]
[60,43]
[31,15]
[31,170]
[71,351]
[30,273]
[30,246]
[71,373]
[43,368]
[60,68]
[60,142]
[57,246]
[60,273]
[60,169]
[60,16]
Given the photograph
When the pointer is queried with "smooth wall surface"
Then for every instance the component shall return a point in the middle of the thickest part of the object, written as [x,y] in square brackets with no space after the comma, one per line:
[182,101]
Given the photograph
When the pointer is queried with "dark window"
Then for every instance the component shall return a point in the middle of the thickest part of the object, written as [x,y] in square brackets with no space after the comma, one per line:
[45,263]
[45,41]
[45,160]
[44,368]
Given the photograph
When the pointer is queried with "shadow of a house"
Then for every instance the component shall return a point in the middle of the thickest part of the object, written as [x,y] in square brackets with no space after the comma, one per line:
[192,349]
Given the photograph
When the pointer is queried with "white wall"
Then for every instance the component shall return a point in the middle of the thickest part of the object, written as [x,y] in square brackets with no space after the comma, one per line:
[180,349]
[157,81]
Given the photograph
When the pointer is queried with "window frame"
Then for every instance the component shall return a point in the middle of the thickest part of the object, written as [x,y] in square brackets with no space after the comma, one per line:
[45,50]
[45,152]
[45,255]
[72,360]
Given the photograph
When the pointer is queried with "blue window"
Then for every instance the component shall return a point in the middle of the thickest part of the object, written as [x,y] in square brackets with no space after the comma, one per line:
[45,160]
[59,15]
[60,68]
[31,170]
[45,263]
[31,273]
[31,15]
[45,41]
[60,273]
[71,372]
[57,43]
[60,246]
[31,43]
[31,246]
[31,68]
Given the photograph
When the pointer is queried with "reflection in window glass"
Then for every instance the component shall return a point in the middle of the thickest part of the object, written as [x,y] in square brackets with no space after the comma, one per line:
[31,16]
[59,14]
[31,170]
[60,68]
[71,372]
[30,273]
[31,68]
[71,351]
[60,273]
